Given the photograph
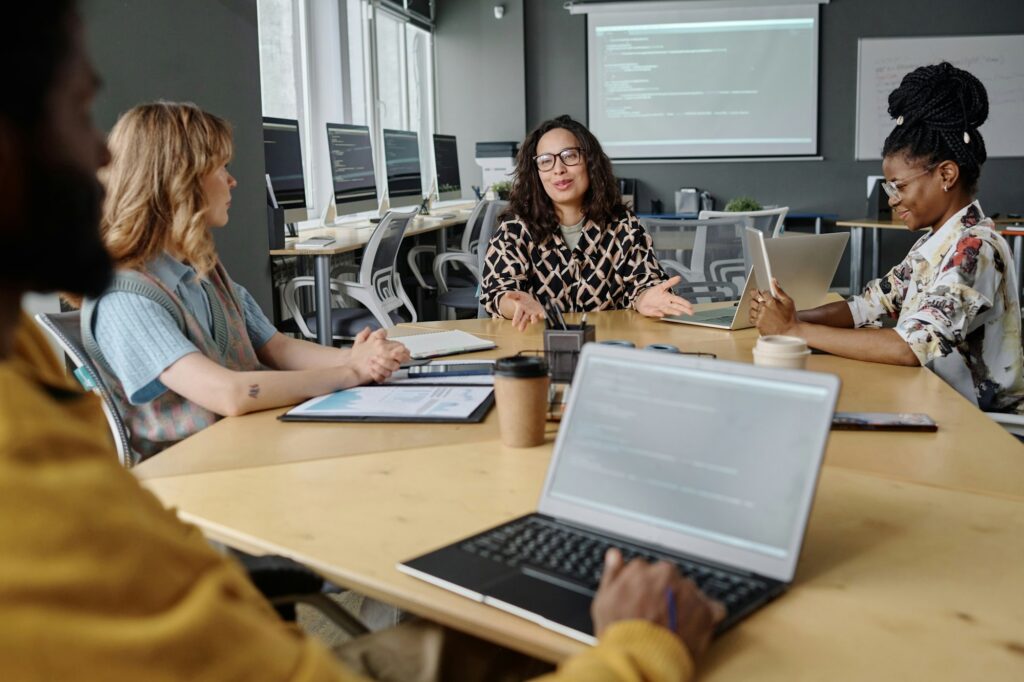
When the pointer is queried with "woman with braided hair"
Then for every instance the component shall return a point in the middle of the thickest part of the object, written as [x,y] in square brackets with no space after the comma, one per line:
[955,297]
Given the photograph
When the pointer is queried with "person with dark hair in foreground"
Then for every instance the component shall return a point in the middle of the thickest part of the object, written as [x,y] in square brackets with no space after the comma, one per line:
[567,240]
[97,580]
[955,297]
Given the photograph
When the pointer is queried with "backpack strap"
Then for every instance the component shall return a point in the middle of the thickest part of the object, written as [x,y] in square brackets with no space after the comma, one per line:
[132,282]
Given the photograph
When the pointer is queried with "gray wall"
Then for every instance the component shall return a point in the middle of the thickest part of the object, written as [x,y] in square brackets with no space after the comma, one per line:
[480,77]
[556,72]
[203,51]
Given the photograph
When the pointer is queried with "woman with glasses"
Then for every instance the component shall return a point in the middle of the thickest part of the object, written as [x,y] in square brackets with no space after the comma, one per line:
[955,297]
[567,240]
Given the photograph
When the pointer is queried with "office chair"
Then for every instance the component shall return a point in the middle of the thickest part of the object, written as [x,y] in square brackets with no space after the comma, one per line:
[282,581]
[378,287]
[475,241]
[467,245]
[65,329]
[716,269]
[286,583]
[771,221]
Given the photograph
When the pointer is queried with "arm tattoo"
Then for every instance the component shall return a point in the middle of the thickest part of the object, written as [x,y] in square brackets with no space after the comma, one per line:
[254,390]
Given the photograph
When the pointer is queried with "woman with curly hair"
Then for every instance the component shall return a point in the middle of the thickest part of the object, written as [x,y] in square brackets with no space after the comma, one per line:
[179,343]
[955,297]
[567,240]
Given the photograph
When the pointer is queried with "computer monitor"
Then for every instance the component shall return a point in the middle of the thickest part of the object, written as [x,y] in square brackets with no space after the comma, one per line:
[402,160]
[355,187]
[446,167]
[282,153]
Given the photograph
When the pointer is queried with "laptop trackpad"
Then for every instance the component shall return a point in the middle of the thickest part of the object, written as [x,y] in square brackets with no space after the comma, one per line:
[546,599]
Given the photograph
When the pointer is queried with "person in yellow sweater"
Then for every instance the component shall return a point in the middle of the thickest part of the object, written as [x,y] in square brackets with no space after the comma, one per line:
[97,579]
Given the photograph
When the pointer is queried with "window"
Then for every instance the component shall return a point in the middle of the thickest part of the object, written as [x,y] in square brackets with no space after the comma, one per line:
[283,71]
[280,65]
[405,81]
[302,44]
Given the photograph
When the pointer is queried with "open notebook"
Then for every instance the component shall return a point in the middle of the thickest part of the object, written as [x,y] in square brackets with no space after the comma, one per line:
[436,344]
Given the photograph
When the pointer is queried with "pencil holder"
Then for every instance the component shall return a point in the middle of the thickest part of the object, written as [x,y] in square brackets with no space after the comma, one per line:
[562,348]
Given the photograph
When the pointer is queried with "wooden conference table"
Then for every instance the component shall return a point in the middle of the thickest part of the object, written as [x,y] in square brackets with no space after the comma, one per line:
[347,240]
[911,564]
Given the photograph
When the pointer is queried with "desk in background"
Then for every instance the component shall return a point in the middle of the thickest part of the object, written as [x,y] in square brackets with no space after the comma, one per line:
[347,240]
[1012,228]
[857,247]
[909,567]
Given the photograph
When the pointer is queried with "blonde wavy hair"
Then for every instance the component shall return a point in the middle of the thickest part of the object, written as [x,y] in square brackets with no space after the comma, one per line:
[160,154]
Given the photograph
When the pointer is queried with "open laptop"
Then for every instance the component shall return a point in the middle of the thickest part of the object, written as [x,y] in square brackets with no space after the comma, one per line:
[708,464]
[804,266]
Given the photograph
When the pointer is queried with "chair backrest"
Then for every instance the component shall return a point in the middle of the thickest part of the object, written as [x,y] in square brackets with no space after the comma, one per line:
[487,227]
[65,328]
[686,246]
[474,223]
[771,221]
[379,270]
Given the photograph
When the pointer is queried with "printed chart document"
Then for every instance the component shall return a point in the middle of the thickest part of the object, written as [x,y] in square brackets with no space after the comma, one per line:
[397,403]
[435,344]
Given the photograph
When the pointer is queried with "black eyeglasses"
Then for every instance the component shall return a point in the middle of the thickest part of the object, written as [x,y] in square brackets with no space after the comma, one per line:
[570,156]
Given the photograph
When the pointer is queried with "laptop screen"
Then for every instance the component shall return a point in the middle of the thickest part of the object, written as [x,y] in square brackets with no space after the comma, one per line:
[727,457]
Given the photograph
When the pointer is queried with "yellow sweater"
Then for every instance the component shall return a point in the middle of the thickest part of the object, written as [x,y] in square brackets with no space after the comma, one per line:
[99,581]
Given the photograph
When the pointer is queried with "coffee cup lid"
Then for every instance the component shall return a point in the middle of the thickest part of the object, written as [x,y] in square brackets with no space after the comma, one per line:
[778,343]
[521,367]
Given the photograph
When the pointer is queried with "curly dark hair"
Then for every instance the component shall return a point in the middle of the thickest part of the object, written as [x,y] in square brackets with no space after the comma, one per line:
[938,110]
[528,201]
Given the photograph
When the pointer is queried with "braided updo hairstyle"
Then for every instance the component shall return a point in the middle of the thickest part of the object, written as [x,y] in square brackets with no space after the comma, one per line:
[938,110]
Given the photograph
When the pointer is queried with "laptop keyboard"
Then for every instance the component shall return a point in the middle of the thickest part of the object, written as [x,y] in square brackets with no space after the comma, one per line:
[577,557]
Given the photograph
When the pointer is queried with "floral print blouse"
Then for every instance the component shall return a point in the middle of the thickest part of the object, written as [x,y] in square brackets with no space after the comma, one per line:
[609,268]
[956,301]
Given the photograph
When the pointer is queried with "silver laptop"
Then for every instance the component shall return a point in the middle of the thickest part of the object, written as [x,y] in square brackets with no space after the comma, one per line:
[708,464]
[804,266]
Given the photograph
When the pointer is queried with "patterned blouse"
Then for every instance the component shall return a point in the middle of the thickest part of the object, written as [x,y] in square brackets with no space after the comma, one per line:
[609,268]
[956,299]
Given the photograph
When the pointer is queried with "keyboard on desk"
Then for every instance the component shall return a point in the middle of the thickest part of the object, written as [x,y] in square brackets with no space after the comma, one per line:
[569,554]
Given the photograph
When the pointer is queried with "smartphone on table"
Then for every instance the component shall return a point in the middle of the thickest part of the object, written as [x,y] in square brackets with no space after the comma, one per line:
[882,421]
[451,369]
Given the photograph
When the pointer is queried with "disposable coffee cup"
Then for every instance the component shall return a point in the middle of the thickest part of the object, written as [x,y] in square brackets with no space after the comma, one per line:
[521,392]
[789,352]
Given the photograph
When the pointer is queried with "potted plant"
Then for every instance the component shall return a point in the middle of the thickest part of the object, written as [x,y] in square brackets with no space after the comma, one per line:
[502,189]
[742,204]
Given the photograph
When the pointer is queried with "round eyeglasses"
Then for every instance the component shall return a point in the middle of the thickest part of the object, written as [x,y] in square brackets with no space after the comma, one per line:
[570,156]
[893,188]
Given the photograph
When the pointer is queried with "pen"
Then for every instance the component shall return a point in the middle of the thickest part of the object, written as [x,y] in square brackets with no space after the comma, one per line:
[549,318]
[558,316]
[583,321]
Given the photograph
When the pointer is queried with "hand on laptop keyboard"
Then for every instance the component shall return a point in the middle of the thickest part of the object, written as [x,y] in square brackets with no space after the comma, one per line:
[655,593]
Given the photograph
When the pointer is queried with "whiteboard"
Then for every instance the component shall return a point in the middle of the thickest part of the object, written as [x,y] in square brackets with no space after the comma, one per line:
[997,61]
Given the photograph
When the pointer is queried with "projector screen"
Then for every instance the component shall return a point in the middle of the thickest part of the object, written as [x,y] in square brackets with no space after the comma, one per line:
[669,81]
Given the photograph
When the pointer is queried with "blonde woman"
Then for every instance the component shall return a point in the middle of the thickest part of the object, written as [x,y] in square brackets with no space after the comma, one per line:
[180,343]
